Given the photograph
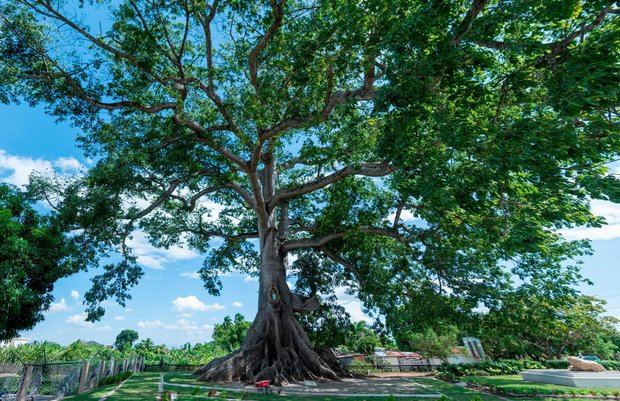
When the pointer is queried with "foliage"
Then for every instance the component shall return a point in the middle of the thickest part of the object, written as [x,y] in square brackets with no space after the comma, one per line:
[507,385]
[41,352]
[507,367]
[230,334]
[433,345]
[319,129]
[116,379]
[526,323]
[125,339]
[188,354]
[34,254]
[78,351]
[329,326]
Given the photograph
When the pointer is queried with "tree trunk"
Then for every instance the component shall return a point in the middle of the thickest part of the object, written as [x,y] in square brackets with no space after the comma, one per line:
[276,346]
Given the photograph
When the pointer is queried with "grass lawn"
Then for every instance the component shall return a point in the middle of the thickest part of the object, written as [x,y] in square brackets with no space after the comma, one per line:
[140,386]
[427,385]
[514,384]
[143,386]
[451,391]
[188,394]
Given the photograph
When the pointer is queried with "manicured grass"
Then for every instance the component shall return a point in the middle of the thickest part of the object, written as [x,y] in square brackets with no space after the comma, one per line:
[451,391]
[140,386]
[514,384]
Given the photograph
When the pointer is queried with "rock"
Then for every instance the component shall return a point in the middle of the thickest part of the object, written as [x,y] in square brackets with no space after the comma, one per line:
[582,365]
[310,383]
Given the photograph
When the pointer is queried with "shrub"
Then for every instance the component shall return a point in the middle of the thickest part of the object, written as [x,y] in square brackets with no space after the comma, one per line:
[116,379]
[490,368]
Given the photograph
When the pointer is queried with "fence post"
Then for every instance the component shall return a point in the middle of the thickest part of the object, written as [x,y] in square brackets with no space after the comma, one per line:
[23,389]
[101,370]
[83,377]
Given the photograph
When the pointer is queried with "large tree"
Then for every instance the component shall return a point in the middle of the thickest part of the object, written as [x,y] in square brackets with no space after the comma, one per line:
[324,126]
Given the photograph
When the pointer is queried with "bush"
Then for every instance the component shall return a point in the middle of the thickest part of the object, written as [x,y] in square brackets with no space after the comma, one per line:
[116,379]
[489,368]
[452,373]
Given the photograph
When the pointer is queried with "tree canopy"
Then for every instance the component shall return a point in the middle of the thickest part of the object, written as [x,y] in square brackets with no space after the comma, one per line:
[125,339]
[34,254]
[413,147]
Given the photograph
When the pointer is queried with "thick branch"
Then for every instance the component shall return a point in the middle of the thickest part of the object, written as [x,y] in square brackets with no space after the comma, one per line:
[465,25]
[320,242]
[365,169]
[333,99]
[276,8]
[344,263]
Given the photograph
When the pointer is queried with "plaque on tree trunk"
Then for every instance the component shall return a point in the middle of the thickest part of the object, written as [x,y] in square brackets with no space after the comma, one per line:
[274,296]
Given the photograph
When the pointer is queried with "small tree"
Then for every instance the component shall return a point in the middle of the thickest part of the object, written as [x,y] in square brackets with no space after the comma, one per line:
[125,339]
[230,334]
[433,345]
[528,323]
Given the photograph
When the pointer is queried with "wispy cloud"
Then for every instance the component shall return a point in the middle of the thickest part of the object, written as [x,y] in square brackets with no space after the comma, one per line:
[59,306]
[610,211]
[79,320]
[16,169]
[156,258]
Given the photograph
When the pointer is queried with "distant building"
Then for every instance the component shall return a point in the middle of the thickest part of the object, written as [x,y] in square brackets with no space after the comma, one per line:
[15,342]
[349,359]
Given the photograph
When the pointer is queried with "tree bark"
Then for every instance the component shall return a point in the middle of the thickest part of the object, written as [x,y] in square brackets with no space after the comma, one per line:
[276,346]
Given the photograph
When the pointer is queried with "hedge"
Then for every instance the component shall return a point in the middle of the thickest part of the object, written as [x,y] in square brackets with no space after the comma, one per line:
[515,386]
[506,367]
[116,379]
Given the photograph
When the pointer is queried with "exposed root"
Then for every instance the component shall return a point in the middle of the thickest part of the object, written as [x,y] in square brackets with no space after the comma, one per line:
[276,349]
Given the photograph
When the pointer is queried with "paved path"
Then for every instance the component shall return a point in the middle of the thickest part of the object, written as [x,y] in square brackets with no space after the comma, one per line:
[114,390]
[348,388]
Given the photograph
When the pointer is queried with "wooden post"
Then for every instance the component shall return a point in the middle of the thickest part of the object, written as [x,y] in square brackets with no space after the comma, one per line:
[101,370]
[83,378]
[25,385]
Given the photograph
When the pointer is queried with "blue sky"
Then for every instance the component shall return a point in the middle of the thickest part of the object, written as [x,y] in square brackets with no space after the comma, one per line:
[170,304]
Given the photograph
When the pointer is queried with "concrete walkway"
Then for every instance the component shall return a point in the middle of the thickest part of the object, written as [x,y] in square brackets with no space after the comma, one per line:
[374,387]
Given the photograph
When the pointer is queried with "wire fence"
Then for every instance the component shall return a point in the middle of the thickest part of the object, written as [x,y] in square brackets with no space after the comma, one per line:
[54,381]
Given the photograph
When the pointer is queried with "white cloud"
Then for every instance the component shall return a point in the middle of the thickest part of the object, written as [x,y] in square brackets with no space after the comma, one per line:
[405,216]
[75,295]
[186,315]
[156,258]
[351,304]
[59,306]
[192,303]
[16,170]
[119,318]
[68,164]
[237,304]
[20,167]
[610,211]
[249,279]
[193,275]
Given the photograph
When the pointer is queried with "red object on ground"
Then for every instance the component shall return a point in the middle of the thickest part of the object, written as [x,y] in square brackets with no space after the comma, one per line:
[263,383]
